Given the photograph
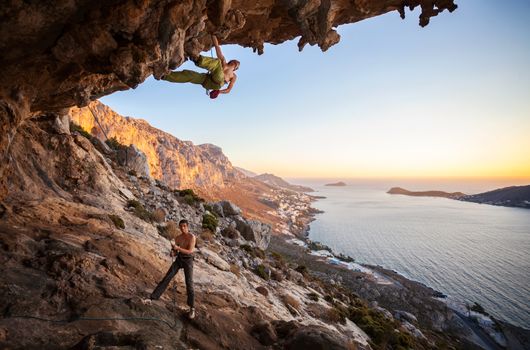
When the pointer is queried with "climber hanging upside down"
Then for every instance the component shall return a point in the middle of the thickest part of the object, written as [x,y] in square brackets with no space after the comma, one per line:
[219,72]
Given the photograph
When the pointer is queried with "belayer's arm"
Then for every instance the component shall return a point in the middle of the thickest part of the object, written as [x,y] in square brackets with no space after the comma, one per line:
[190,247]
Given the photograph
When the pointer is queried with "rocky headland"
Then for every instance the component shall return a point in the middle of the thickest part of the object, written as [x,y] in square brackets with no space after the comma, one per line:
[513,196]
[402,191]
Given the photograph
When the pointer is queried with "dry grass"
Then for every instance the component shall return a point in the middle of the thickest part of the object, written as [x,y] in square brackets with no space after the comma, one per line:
[290,300]
[158,215]
[169,231]
[207,235]
[235,269]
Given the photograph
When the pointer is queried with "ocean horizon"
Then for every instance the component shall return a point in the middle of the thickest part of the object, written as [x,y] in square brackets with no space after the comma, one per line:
[470,252]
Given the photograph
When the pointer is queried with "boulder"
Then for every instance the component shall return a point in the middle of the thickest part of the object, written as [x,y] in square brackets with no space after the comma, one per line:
[316,338]
[229,209]
[230,232]
[405,316]
[102,147]
[262,290]
[61,124]
[264,333]
[134,159]
[217,208]
[254,231]
[213,259]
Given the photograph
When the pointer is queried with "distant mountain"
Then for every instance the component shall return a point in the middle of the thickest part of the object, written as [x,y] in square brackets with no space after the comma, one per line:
[514,196]
[399,190]
[337,184]
[246,172]
[276,181]
[180,164]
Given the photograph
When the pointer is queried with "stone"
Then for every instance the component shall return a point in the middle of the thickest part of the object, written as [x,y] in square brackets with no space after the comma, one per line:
[265,333]
[230,232]
[294,276]
[316,338]
[218,209]
[404,315]
[229,209]
[262,290]
[255,231]
[214,259]
[61,124]
[134,159]
[102,146]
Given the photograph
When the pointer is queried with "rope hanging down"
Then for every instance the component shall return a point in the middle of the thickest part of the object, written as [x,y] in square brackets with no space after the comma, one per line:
[97,121]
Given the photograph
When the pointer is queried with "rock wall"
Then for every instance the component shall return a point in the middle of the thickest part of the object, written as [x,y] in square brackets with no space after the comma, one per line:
[180,164]
[68,52]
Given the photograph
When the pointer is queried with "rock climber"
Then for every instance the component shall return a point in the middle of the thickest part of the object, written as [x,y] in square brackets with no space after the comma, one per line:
[219,72]
[182,248]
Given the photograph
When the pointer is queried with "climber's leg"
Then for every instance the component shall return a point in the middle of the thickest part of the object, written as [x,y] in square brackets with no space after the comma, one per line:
[185,76]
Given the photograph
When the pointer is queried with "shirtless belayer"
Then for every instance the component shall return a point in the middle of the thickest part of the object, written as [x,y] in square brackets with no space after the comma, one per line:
[182,248]
[219,73]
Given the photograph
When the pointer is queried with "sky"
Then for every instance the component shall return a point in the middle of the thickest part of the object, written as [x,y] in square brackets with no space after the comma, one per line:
[391,99]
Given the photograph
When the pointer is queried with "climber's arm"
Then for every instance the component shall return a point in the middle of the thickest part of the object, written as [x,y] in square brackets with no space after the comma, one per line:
[230,85]
[218,51]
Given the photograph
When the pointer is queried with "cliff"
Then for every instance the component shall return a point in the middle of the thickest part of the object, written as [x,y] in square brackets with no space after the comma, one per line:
[180,164]
[67,53]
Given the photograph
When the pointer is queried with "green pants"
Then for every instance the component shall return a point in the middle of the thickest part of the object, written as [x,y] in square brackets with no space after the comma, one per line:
[214,80]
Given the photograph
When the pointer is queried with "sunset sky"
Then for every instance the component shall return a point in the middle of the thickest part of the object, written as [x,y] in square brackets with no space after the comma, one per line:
[392,99]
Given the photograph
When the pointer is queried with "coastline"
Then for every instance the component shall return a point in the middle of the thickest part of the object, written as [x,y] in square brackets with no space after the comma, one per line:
[386,288]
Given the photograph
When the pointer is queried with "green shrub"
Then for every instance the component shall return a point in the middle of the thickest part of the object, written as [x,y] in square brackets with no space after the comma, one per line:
[329,299]
[80,130]
[380,329]
[139,210]
[260,271]
[118,222]
[209,208]
[401,341]
[114,144]
[190,197]
[210,222]
[313,296]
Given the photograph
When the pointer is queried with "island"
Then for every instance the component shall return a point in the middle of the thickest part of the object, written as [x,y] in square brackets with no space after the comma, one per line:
[402,191]
[513,196]
[337,184]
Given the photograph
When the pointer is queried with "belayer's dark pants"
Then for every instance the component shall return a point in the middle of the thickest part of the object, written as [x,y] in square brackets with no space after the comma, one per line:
[182,261]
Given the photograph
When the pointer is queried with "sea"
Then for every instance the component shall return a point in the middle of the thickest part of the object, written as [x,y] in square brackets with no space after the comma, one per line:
[470,252]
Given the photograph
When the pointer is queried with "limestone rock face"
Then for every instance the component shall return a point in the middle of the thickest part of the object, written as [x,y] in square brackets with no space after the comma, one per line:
[64,53]
[180,164]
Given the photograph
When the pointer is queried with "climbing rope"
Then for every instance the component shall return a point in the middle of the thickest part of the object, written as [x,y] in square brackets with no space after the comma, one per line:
[97,121]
